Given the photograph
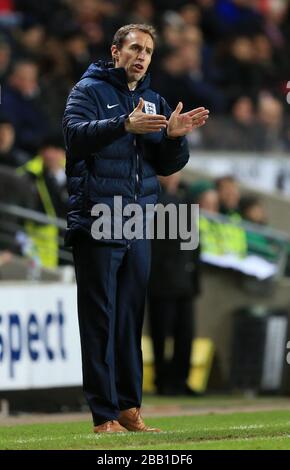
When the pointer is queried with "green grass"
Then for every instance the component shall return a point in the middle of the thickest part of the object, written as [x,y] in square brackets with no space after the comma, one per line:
[256,430]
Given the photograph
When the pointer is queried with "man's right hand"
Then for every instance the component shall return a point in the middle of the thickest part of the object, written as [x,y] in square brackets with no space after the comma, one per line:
[142,123]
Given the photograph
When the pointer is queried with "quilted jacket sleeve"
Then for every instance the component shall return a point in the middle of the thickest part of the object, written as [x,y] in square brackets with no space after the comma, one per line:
[83,133]
[170,155]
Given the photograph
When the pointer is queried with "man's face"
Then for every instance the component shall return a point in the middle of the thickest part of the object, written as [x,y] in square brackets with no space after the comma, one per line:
[171,182]
[7,137]
[25,79]
[229,194]
[135,55]
[53,157]
[209,201]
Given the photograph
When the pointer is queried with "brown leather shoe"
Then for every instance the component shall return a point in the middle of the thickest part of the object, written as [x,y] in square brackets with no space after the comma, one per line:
[109,426]
[132,420]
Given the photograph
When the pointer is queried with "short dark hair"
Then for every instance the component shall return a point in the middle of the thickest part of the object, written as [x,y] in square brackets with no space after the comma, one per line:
[54,141]
[120,35]
[225,179]
[22,61]
[4,120]
[247,202]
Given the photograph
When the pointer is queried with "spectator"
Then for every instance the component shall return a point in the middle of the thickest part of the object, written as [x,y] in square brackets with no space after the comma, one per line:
[57,71]
[190,14]
[172,32]
[142,11]
[268,74]
[46,175]
[271,133]
[205,194]
[21,106]
[173,287]
[15,189]
[252,210]
[76,47]
[199,90]
[9,155]
[217,238]
[53,156]
[193,36]
[236,132]
[89,15]
[239,72]
[229,196]
[30,40]
[210,24]
[170,81]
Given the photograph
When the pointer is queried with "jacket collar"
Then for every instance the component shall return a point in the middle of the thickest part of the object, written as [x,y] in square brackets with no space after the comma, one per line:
[106,71]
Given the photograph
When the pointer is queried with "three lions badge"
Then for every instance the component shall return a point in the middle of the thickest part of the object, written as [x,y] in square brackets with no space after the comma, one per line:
[149,107]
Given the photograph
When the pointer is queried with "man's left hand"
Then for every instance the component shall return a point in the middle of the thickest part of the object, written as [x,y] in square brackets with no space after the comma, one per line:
[182,124]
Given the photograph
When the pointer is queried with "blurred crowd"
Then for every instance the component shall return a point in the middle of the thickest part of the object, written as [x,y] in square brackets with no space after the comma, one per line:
[228,55]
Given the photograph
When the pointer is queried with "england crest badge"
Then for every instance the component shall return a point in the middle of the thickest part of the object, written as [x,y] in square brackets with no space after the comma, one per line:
[149,107]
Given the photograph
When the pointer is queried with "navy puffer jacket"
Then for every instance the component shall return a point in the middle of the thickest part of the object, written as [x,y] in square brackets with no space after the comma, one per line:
[103,160]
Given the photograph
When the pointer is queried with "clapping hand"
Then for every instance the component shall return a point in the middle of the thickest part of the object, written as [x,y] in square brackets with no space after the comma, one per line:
[182,124]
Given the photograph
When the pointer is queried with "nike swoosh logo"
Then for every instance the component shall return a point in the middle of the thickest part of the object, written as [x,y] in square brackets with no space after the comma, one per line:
[110,106]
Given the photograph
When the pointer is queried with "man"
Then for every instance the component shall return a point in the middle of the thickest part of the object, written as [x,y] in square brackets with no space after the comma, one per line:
[173,288]
[14,190]
[10,156]
[46,174]
[20,104]
[119,134]
[229,195]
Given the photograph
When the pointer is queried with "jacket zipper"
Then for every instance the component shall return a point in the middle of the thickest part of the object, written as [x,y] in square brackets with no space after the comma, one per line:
[136,162]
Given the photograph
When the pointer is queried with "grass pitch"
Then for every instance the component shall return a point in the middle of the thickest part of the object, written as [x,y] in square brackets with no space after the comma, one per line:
[233,431]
